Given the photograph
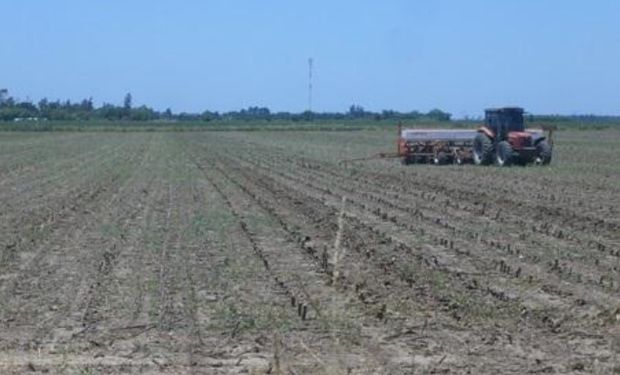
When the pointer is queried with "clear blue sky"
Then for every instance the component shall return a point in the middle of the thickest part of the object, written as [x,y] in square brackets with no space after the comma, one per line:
[550,56]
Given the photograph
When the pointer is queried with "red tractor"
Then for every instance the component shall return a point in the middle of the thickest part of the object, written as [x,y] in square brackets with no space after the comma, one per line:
[503,140]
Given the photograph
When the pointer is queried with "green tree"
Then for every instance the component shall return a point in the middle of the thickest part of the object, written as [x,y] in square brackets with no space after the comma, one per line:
[167,114]
[4,93]
[356,111]
[439,115]
[127,102]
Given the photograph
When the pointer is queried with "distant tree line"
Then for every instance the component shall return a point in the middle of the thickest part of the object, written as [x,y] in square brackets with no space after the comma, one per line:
[591,119]
[12,109]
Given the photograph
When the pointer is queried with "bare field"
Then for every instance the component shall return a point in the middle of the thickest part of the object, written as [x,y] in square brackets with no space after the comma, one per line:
[258,252]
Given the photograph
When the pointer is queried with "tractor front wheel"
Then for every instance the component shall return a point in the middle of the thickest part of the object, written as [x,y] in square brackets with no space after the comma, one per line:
[483,149]
[544,151]
[504,154]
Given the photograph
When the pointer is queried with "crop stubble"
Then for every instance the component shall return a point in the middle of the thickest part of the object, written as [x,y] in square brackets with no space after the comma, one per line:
[214,253]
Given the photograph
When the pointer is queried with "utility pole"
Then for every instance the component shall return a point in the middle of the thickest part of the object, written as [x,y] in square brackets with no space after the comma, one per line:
[310,62]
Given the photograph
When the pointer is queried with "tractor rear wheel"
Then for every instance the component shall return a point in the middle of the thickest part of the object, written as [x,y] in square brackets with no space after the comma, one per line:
[504,155]
[544,151]
[483,149]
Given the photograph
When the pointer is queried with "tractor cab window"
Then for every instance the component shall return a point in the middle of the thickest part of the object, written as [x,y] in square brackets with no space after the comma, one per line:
[514,122]
[505,120]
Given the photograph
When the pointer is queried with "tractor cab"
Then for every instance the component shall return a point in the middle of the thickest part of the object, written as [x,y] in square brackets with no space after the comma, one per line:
[509,118]
[506,124]
[504,139]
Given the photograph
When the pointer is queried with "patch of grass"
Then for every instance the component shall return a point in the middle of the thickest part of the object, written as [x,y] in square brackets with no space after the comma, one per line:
[239,317]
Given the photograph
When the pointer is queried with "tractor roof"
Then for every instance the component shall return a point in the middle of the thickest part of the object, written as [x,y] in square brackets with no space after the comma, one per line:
[504,110]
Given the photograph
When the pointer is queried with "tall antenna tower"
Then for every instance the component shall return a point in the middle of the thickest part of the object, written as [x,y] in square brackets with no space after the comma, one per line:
[310,62]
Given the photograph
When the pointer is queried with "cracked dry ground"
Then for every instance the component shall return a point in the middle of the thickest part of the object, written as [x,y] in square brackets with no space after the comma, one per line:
[258,252]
